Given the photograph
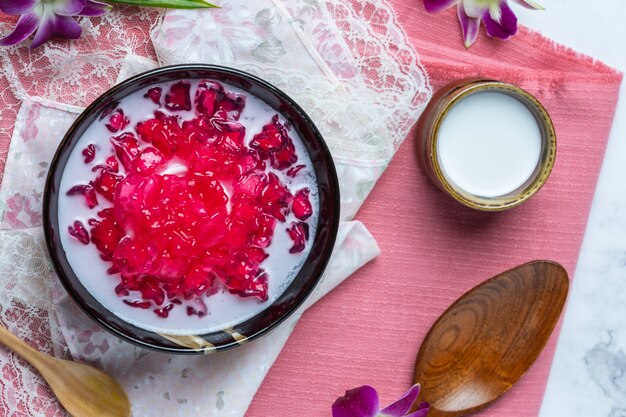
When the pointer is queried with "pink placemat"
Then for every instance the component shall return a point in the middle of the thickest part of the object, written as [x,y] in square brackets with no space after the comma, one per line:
[368,330]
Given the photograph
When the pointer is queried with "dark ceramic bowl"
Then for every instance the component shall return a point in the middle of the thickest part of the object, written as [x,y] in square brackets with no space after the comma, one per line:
[302,284]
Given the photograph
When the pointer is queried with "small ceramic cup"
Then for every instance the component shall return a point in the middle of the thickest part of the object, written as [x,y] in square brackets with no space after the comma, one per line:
[429,126]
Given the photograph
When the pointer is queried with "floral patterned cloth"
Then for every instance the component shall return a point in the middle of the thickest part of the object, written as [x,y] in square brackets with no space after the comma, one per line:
[346,62]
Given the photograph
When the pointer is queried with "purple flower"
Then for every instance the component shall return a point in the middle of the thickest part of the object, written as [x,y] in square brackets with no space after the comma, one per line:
[496,15]
[363,402]
[48,18]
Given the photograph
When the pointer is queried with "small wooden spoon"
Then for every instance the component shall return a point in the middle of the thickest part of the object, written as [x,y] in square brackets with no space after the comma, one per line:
[489,337]
[83,390]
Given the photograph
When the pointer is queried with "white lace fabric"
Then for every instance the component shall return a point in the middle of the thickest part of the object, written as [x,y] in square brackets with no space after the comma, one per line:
[347,63]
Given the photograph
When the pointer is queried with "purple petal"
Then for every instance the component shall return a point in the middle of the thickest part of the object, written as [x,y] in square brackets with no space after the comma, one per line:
[26,25]
[506,27]
[404,404]
[17,7]
[56,26]
[422,411]
[69,7]
[95,8]
[358,402]
[469,26]
[529,4]
[434,6]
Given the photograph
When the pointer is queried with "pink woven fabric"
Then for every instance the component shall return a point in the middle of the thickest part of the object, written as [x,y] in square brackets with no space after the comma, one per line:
[368,331]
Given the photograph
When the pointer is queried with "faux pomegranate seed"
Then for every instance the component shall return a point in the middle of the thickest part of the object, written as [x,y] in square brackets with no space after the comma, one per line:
[117,121]
[301,205]
[293,171]
[106,183]
[178,97]
[78,232]
[231,106]
[89,153]
[285,157]
[209,94]
[126,148]
[138,304]
[154,94]
[86,191]
[299,234]
[271,139]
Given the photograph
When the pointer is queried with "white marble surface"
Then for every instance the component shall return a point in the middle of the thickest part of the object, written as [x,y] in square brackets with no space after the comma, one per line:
[588,376]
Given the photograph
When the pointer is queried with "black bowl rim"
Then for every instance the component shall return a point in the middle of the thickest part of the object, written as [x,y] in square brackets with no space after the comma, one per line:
[49,196]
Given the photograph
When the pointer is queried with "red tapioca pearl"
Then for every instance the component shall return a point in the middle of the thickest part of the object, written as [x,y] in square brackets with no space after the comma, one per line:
[301,204]
[231,106]
[256,287]
[229,135]
[256,255]
[239,274]
[198,308]
[148,160]
[87,191]
[105,234]
[239,236]
[272,137]
[284,157]
[135,256]
[246,210]
[126,148]
[118,121]
[264,232]
[214,162]
[178,97]
[251,185]
[211,193]
[208,95]
[138,304]
[299,234]
[164,312]
[151,290]
[293,171]
[110,165]
[197,281]
[89,153]
[276,198]
[78,232]
[164,132]
[169,268]
[106,183]
[198,130]
[154,94]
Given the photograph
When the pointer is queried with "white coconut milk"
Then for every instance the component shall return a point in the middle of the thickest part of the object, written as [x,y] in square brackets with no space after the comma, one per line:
[489,144]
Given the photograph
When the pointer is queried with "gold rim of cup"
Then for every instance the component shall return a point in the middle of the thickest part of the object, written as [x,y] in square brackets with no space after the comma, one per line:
[427,138]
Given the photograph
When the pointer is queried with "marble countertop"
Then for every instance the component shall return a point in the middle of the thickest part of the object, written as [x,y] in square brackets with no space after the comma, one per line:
[588,376]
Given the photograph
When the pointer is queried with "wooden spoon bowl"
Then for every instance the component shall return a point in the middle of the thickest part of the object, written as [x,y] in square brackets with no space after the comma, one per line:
[83,390]
[489,337]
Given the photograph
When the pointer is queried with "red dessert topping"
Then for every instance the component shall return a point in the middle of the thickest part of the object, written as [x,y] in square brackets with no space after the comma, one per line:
[178,96]
[106,183]
[154,94]
[301,205]
[79,232]
[293,171]
[117,121]
[299,233]
[89,153]
[87,191]
[195,208]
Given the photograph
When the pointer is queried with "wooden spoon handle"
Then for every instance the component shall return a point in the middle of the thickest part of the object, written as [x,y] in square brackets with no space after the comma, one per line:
[19,346]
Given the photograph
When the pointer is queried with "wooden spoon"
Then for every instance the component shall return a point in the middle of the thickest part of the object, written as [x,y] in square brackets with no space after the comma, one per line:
[84,391]
[489,337]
